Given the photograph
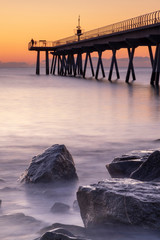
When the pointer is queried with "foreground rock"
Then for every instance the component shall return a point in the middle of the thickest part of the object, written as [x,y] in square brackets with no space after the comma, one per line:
[59,236]
[149,170]
[63,232]
[126,202]
[76,230]
[55,164]
[60,208]
[124,166]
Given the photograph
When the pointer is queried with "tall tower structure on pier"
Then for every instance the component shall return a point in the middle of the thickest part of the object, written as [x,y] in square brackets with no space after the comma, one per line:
[79,30]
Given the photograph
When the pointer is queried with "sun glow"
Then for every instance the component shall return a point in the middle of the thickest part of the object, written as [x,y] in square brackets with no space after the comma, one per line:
[52,20]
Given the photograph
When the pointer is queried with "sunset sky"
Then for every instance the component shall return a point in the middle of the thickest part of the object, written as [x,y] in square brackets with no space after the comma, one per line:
[22,20]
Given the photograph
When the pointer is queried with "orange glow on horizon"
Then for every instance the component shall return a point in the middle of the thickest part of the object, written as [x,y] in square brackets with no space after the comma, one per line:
[52,20]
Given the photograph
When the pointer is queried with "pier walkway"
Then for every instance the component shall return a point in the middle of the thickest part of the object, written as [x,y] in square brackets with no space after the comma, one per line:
[129,34]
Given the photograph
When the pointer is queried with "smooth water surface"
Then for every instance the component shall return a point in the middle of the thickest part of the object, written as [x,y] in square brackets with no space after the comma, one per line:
[96,120]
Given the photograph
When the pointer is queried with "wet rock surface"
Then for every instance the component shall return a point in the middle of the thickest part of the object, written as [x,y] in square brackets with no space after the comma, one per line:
[123,169]
[76,230]
[59,231]
[55,164]
[132,166]
[58,236]
[100,233]
[122,201]
[59,207]
[149,170]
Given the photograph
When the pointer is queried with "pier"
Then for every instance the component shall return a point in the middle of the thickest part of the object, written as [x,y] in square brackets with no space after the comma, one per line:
[129,34]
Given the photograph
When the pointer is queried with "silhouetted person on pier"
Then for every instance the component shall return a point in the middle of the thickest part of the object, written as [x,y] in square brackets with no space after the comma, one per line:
[32,41]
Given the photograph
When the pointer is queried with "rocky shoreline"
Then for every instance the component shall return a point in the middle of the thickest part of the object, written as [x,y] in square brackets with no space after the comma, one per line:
[128,202]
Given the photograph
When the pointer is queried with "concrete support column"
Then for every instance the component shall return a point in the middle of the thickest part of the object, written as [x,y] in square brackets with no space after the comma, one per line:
[85,65]
[100,63]
[154,69]
[47,63]
[130,66]
[52,65]
[92,69]
[158,68]
[38,63]
[151,55]
[113,62]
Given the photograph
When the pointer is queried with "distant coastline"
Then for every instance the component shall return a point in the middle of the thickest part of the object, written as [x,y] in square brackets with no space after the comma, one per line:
[139,62]
[15,65]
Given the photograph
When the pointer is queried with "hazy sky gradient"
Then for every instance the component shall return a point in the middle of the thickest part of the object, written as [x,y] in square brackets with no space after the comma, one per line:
[49,19]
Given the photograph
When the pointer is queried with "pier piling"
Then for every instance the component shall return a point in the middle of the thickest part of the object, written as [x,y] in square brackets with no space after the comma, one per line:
[128,34]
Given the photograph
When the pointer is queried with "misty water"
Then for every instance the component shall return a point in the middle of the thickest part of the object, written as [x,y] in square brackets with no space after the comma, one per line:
[96,120]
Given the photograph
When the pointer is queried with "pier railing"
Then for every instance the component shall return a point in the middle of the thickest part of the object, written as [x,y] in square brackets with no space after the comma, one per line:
[133,23]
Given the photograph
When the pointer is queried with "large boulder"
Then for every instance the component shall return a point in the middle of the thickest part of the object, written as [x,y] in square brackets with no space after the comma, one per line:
[149,170]
[124,201]
[55,164]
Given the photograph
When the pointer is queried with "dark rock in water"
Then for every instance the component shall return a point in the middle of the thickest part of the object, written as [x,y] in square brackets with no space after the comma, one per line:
[107,233]
[124,166]
[123,169]
[126,158]
[55,164]
[76,206]
[60,208]
[0,203]
[63,231]
[58,236]
[126,202]
[75,230]
[61,234]
[149,170]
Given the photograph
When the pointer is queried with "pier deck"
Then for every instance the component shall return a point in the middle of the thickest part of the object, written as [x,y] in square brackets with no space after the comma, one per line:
[129,34]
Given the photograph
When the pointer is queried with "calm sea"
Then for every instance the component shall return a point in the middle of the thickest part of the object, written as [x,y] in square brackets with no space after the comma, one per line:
[96,120]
